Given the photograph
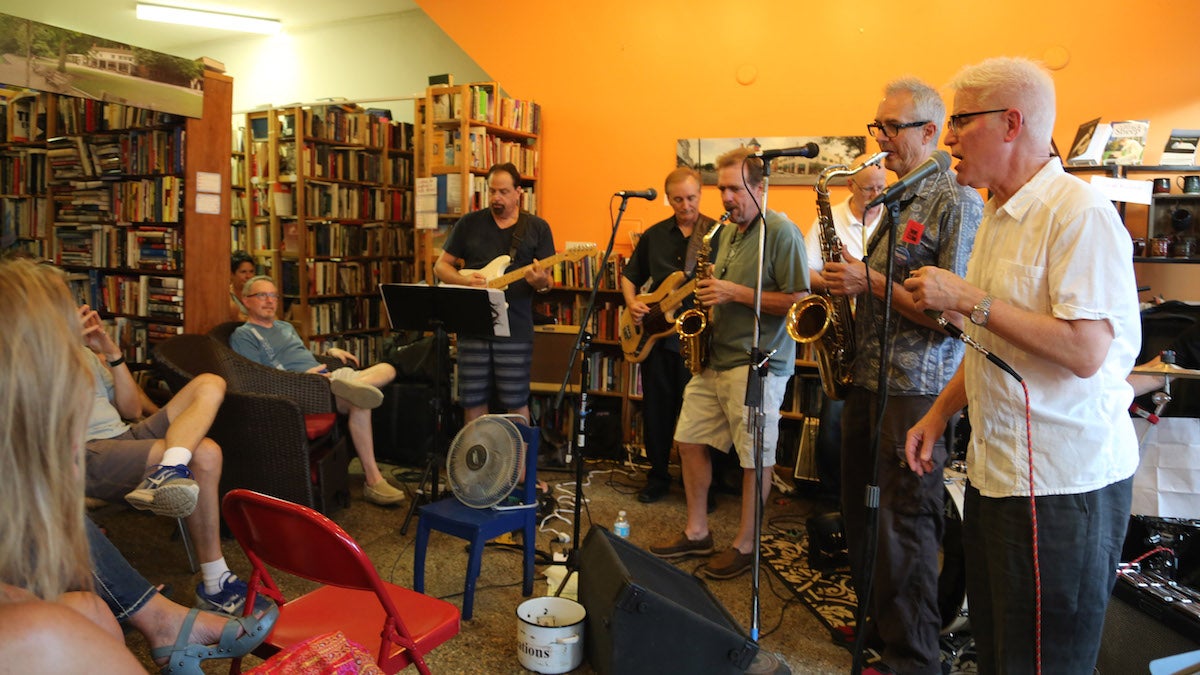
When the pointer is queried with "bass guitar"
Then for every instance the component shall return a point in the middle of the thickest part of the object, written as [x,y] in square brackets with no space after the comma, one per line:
[637,339]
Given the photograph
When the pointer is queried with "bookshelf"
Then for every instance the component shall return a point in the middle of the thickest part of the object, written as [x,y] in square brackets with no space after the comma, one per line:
[328,205]
[108,191]
[464,130]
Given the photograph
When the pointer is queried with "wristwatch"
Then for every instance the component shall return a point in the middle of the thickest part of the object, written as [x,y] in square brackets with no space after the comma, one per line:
[981,312]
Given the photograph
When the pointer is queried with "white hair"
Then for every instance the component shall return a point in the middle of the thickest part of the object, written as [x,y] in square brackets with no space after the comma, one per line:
[1013,82]
[927,102]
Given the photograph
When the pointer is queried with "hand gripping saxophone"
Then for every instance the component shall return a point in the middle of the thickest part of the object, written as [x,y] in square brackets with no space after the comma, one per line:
[692,325]
[826,321]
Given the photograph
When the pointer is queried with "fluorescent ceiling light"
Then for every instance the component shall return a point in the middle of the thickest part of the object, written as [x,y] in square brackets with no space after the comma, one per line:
[206,19]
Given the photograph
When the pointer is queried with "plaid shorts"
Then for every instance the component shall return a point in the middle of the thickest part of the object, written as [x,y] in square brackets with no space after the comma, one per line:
[484,362]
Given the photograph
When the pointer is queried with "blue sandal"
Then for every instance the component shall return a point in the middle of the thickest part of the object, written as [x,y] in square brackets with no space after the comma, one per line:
[185,658]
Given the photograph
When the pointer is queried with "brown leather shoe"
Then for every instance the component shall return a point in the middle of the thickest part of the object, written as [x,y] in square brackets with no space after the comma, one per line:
[729,564]
[683,547]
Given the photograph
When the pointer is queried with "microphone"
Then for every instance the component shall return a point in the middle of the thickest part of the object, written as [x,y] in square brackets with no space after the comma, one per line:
[810,150]
[956,332]
[650,194]
[938,161]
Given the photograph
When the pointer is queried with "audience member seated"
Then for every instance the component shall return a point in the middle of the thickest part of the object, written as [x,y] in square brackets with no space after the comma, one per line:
[276,344]
[241,269]
[179,638]
[164,463]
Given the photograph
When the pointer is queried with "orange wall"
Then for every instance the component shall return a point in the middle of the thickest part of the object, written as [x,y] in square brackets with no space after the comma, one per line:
[620,80]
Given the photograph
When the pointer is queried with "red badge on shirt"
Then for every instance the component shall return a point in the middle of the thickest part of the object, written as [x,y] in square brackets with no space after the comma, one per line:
[912,232]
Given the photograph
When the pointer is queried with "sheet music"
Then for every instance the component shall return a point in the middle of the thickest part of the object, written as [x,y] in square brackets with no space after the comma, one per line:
[499,307]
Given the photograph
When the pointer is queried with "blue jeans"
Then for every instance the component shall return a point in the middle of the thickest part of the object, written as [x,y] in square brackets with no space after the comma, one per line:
[122,587]
[1079,545]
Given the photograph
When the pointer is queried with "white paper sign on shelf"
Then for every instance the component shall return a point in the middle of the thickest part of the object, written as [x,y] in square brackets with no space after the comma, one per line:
[425,207]
[208,181]
[1124,189]
[208,203]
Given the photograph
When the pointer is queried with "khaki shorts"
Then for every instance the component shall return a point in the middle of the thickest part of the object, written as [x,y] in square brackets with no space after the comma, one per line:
[115,466]
[714,413]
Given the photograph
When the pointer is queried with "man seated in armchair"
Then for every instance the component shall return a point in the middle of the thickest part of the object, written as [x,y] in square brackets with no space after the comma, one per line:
[275,344]
[164,463]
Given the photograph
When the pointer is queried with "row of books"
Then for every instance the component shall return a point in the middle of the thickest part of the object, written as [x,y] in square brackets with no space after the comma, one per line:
[23,218]
[146,200]
[134,295]
[117,247]
[606,372]
[338,239]
[605,319]
[348,123]
[338,278]
[486,105]
[141,152]
[337,316]
[582,273]
[331,200]
[1124,142]
[320,160]
[23,113]
[23,171]
[83,115]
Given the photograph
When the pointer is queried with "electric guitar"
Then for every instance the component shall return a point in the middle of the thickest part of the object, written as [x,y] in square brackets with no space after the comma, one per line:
[637,339]
[498,278]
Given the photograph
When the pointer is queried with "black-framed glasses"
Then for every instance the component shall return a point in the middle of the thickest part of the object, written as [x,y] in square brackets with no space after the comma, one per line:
[956,121]
[890,130]
[273,296]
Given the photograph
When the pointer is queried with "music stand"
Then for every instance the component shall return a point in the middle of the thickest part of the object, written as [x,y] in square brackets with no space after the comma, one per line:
[464,310]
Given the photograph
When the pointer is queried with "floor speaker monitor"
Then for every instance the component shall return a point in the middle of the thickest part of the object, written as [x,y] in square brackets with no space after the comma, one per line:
[647,616]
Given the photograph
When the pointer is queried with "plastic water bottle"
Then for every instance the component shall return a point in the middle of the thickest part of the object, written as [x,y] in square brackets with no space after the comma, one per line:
[621,527]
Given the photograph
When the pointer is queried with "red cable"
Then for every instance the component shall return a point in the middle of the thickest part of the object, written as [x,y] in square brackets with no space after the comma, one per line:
[1037,570]
[1147,554]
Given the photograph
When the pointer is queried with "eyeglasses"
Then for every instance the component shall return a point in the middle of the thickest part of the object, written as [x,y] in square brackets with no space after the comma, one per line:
[870,189]
[273,296]
[891,130]
[956,121]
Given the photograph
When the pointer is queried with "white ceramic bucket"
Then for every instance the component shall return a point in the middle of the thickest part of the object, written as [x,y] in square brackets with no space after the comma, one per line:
[550,635]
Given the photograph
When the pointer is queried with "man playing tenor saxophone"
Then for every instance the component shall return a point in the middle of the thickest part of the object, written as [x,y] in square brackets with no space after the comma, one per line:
[714,411]
[936,226]
[854,224]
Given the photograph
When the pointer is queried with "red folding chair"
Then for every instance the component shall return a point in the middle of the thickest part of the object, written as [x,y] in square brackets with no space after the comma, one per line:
[300,541]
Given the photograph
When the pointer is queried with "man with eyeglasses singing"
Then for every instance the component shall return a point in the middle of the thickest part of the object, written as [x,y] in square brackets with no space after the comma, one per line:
[276,344]
[1051,291]
[936,227]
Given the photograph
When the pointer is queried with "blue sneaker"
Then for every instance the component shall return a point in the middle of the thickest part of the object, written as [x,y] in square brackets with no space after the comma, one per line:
[231,598]
[166,491]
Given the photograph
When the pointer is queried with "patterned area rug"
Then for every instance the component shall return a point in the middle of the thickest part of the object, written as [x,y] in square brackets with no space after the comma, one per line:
[829,596]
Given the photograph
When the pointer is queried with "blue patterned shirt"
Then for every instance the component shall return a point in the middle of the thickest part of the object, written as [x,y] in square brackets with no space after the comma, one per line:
[923,360]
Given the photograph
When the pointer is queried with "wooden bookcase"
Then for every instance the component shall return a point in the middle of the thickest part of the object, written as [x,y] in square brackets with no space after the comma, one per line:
[464,130]
[329,215]
[120,214]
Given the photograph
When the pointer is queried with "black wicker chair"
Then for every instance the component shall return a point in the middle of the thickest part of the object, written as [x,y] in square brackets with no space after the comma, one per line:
[277,430]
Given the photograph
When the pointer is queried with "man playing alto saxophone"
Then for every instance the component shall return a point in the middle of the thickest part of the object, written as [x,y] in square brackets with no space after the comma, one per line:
[713,404]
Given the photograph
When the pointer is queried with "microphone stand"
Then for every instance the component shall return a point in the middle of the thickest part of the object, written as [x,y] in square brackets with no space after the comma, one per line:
[578,442]
[871,496]
[764,662]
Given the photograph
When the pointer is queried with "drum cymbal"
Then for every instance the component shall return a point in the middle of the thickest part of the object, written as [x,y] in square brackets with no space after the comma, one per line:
[1168,369]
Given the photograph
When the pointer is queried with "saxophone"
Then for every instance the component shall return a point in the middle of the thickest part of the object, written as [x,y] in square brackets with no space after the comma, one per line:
[692,325]
[826,320]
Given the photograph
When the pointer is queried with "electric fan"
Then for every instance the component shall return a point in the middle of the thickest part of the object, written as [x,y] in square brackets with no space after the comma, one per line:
[483,463]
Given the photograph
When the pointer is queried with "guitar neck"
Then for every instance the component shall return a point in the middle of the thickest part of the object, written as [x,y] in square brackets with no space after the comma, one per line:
[675,298]
[505,279]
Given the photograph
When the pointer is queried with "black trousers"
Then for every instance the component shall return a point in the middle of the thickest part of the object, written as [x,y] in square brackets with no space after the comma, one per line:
[664,377]
[903,601]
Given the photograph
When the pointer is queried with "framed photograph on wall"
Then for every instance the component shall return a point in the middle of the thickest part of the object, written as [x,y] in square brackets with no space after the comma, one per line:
[701,154]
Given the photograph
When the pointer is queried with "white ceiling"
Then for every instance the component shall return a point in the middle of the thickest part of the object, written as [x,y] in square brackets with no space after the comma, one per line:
[115,20]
